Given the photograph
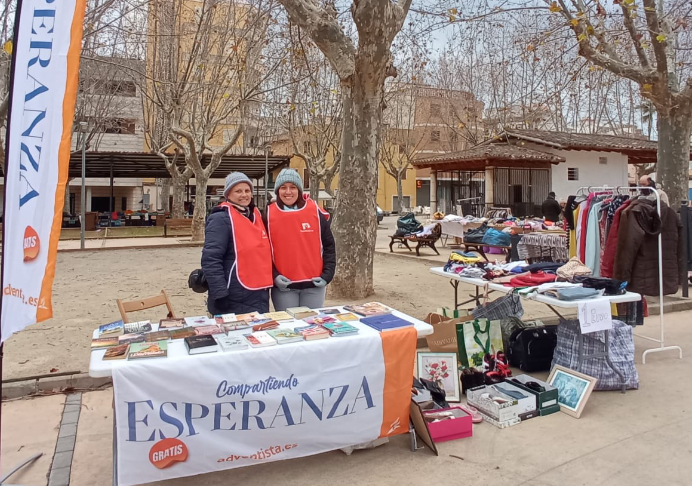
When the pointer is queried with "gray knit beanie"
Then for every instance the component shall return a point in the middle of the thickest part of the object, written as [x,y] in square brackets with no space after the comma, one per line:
[235,178]
[288,175]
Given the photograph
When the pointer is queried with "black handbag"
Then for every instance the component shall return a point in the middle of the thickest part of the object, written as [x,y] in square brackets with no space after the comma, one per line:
[610,285]
[476,235]
[197,282]
[531,349]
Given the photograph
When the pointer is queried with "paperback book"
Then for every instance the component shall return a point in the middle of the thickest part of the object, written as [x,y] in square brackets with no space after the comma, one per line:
[301,312]
[260,339]
[228,343]
[151,337]
[134,337]
[386,322]
[285,336]
[329,311]
[265,326]
[369,309]
[158,349]
[111,329]
[139,326]
[225,318]
[234,326]
[181,333]
[173,323]
[320,320]
[201,344]
[116,352]
[104,342]
[347,317]
[208,330]
[312,333]
[340,329]
[199,321]
[278,316]
[248,317]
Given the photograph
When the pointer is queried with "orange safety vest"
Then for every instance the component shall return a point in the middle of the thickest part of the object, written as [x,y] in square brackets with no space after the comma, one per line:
[296,241]
[253,263]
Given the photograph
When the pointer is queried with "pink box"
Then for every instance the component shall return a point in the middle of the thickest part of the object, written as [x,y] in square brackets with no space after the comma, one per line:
[457,428]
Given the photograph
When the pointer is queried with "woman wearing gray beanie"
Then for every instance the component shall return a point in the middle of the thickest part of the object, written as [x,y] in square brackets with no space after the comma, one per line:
[236,258]
[302,244]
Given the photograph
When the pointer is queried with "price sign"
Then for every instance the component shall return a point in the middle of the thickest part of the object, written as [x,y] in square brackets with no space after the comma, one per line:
[594,315]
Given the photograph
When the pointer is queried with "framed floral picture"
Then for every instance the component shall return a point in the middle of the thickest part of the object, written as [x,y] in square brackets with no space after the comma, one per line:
[573,389]
[441,368]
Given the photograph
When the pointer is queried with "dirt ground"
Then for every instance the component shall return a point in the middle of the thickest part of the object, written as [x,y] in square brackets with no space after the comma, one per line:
[88,283]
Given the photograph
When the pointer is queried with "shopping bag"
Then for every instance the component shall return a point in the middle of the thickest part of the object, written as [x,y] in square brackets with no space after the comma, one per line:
[452,313]
[477,338]
[508,305]
[444,336]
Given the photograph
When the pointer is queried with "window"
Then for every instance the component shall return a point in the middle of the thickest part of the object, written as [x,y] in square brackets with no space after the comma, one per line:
[603,160]
[435,136]
[306,178]
[573,174]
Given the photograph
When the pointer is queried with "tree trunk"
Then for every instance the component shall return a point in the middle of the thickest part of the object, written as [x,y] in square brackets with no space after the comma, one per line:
[178,210]
[165,195]
[355,219]
[199,215]
[314,187]
[400,193]
[673,166]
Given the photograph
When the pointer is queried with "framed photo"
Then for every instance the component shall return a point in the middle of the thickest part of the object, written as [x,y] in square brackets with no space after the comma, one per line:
[573,389]
[442,369]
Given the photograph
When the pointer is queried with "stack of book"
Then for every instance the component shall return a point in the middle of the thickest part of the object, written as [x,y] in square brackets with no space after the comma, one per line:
[338,329]
[312,332]
[285,336]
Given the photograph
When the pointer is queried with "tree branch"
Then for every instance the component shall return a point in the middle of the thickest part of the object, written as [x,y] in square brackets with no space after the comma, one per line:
[659,47]
[636,37]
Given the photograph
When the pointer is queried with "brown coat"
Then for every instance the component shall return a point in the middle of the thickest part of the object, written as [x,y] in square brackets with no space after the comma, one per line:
[636,259]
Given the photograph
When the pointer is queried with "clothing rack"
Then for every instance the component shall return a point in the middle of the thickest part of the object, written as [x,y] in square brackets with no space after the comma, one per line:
[627,189]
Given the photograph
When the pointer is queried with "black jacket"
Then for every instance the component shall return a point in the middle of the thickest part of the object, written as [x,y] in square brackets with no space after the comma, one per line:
[328,253]
[551,209]
[226,294]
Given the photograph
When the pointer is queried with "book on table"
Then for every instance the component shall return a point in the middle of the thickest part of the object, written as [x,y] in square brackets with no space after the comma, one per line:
[114,328]
[133,337]
[234,326]
[150,337]
[201,344]
[340,329]
[208,330]
[285,336]
[199,321]
[231,343]
[139,326]
[116,352]
[347,317]
[386,322]
[104,342]
[157,349]
[181,333]
[369,309]
[265,326]
[312,332]
[172,323]
[260,339]
[329,311]
[249,316]
[225,318]
[278,316]
[320,320]
[301,312]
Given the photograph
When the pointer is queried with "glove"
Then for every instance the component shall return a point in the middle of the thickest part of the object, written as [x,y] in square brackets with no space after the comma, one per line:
[319,282]
[282,282]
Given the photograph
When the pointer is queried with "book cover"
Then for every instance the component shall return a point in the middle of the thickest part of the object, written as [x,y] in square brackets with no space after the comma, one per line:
[385,322]
[305,315]
[151,337]
[208,330]
[175,323]
[278,316]
[225,318]
[199,321]
[248,317]
[201,344]
[298,310]
[260,339]
[133,337]
[265,326]
[116,352]
[104,342]
[285,336]
[347,317]
[114,328]
[369,309]
[181,333]
[227,343]
[340,328]
[234,326]
[312,333]
[139,326]
[158,349]
[329,311]
[320,320]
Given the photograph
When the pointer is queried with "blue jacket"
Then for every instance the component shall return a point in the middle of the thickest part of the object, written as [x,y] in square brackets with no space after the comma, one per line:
[226,294]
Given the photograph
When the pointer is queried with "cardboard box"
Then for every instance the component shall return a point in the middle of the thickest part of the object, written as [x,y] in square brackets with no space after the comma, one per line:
[526,406]
[457,428]
[546,401]
[499,412]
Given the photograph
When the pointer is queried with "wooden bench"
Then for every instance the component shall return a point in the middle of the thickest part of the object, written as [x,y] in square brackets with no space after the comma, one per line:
[421,241]
[478,248]
[403,240]
[177,224]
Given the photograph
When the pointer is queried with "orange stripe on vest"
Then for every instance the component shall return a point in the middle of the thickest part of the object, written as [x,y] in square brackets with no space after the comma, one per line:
[296,241]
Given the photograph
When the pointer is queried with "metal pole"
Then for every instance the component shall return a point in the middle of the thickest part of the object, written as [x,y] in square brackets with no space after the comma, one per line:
[266,175]
[684,216]
[82,211]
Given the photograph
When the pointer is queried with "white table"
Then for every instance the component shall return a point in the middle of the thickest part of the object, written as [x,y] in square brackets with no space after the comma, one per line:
[551,302]
[99,368]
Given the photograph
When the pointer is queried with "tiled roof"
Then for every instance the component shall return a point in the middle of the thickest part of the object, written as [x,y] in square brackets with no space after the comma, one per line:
[580,141]
[491,154]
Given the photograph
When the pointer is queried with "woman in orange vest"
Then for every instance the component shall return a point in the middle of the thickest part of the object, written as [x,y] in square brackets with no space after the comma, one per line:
[237,258]
[302,245]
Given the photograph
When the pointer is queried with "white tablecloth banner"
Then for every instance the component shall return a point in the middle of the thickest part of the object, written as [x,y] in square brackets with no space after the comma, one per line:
[224,410]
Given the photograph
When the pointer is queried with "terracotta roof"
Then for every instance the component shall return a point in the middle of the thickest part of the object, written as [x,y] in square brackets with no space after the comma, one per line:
[495,154]
[581,141]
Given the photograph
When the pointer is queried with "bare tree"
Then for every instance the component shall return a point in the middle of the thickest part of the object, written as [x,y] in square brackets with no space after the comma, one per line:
[362,69]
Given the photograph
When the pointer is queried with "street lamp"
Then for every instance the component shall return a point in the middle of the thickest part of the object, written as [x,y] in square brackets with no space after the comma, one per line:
[82,212]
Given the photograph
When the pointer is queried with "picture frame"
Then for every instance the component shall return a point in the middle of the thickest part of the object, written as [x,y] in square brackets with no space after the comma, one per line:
[573,389]
[441,368]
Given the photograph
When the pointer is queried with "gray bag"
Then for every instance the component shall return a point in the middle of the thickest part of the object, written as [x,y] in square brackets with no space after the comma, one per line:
[621,354]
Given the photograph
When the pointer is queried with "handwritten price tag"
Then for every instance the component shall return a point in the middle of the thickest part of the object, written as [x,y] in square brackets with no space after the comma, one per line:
[594,315]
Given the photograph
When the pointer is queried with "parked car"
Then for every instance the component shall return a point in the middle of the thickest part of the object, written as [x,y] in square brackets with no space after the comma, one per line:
[380,215]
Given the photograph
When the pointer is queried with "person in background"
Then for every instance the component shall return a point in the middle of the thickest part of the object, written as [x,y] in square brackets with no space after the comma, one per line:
[551,208]
[302,245]
[647,181]
[237,256]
